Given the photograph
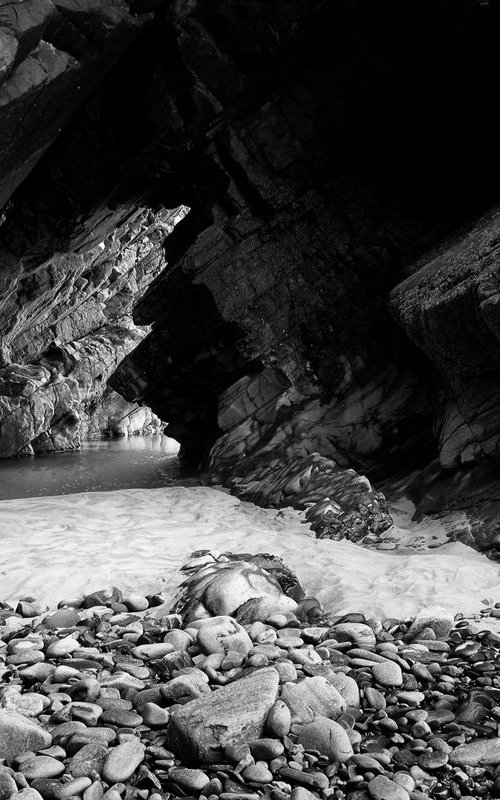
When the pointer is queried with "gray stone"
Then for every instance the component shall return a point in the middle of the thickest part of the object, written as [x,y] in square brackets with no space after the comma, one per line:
[201,729]
[19,734]
[193,779]
[8,786]
[438,619]
[328,737]
[357,632]
[279,719]
[27,794]
[123,760]
[90,758]
[476,753]
[347,687]
[388,674]
[222,634]
[382,788]
[311,697]
[41,767]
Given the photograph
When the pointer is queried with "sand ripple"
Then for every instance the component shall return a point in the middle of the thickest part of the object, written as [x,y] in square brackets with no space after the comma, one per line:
[57,547]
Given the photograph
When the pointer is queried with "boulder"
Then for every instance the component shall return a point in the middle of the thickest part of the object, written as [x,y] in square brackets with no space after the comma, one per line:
[201,729]
[19,734]
[312,697]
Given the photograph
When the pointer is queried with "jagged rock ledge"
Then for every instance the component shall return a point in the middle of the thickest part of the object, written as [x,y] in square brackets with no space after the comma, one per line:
[112,696]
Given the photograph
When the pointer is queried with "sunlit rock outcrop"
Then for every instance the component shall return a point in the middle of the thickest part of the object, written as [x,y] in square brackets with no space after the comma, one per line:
[69,320]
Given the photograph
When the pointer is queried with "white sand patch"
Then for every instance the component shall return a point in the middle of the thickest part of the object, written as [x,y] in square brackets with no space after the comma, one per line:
[57,547]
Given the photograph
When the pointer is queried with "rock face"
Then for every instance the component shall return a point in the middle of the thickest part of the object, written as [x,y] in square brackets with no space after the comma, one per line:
[259,328]
[74,339]
[450,307]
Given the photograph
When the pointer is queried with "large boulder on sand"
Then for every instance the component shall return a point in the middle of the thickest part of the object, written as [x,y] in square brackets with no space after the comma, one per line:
[222,584]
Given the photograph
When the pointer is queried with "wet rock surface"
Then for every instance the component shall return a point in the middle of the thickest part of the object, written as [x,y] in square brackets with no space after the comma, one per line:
[92,705]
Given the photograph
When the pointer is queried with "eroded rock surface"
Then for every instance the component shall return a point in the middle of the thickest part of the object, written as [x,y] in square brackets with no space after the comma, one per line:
[314,182]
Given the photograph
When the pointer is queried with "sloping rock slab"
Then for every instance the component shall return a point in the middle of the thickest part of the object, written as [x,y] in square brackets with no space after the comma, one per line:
[19,734]
[200,730]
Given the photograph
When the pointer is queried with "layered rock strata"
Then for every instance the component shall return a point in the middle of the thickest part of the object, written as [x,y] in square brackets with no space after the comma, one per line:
[299,137]
[68,323]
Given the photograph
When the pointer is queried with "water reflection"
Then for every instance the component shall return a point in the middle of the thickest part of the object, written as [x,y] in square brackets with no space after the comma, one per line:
[138,462]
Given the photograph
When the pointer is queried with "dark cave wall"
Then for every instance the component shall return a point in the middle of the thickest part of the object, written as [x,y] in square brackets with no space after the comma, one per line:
[322,149]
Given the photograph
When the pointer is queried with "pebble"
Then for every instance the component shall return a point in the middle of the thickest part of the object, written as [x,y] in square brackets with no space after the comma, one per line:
[310,697]
[221,634]
[27,794]
[194,780]
[361,635]
[388,674]
[258,773]
[266,749]
[154,715]
[279,719]
[327,737]
[382,788]
[89,758]
[123,760]
[41,767]
[432,760]
[480,751]
[73,788]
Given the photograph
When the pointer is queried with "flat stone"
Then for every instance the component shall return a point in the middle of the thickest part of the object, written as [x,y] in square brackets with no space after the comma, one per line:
[432,760]
[328,737]
[382,788]
[301,793]
[41,767]
[62,618]
[346,687]
[357,632]
[201,729]
[150,651]
[311,697]
[258,773]
[73,788]
[266,749]
[221,634]
[95,791]
[312,780]
[154,715]
[8,786]
[30,609]
[476,753]
[121,717]
[136,602]
[375,699]
[90,758]
[388,673]
[63,647]
[180,640]
[438,619]
[123,760]
[27,794]
[279,719]
[18,734]
[193,779]
[184,688]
